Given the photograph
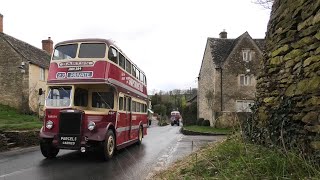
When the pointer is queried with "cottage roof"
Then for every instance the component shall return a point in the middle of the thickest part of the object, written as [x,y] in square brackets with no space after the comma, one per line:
[222,47]
[193,98]
[32,54]
[261,43]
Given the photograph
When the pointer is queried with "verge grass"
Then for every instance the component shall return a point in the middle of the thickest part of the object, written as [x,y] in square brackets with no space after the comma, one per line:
[10,119]
[207,129]
[235,159]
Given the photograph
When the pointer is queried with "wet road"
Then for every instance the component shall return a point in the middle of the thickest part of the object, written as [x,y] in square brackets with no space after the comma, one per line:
[162,146]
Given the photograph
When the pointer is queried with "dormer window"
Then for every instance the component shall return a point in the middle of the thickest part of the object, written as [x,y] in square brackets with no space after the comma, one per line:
[247,55]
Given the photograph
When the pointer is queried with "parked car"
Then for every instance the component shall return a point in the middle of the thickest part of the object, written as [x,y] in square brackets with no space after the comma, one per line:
[175,118]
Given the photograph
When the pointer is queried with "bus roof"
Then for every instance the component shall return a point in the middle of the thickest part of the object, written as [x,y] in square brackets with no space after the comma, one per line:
[107,41]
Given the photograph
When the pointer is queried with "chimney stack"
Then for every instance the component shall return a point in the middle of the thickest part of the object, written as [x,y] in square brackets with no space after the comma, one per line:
[1,23]
[223,34]
[47,45]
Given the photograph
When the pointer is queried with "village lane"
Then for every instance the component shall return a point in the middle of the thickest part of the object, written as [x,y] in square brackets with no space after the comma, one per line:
[161,147]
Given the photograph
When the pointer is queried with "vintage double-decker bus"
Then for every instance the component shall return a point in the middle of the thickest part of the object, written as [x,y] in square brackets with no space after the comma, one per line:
[95,97]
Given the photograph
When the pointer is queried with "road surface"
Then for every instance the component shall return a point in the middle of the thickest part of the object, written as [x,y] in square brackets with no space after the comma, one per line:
[161,147]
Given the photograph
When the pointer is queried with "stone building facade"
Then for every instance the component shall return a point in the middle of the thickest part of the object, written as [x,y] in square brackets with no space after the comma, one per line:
[227,77]
[23,70]
[288,89]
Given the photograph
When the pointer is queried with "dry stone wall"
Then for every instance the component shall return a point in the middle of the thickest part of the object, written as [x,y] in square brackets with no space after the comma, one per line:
[287,109]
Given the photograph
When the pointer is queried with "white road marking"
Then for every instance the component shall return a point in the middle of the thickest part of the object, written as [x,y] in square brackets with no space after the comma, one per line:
[15,172]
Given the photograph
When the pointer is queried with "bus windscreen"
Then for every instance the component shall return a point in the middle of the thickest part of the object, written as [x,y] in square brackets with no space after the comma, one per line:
[92,50]
[65,52]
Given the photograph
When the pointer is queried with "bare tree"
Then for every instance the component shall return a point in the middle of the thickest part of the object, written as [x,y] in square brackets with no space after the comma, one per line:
[267,4]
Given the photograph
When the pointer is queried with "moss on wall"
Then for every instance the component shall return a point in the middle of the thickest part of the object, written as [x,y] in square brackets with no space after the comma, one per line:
[287,111]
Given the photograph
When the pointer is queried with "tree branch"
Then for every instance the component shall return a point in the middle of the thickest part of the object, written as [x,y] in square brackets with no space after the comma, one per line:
[267,4]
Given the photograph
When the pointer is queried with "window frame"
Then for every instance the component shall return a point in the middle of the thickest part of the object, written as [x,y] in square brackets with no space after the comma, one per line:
[71,46]
[87,95]
[137,74]
[124,61]
[116,60]
[82,45]
[133,70]
[42,74]
[246,80]
[121,103]
[128,66]
[245,55]
[245,104]
[133,106]
[101,91]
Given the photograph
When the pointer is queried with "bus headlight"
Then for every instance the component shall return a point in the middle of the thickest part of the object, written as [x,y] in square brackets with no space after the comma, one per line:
[91,125]
[49,124]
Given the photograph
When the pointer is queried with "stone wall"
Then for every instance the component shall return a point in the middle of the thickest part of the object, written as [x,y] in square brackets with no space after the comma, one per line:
[231,119]
[287,109]
[11,76]
[34,84]
[13,139]
[206,83]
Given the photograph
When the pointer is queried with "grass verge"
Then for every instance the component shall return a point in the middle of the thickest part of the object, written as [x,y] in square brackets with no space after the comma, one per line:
[234,159]
[10,119]
[207,129]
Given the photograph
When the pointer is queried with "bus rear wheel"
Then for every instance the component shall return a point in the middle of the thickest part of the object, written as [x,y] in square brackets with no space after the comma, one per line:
[47,149]
[140,135]
[109,145]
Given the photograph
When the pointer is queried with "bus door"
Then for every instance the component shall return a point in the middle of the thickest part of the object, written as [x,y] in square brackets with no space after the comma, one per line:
[127,101]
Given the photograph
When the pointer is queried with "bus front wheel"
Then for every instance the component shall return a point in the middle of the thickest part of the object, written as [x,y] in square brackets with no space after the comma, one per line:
[109,145]
[47,149]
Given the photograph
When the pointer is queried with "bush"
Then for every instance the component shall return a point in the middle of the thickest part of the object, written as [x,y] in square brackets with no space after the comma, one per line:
[189,114]
[199,122]
[206,123]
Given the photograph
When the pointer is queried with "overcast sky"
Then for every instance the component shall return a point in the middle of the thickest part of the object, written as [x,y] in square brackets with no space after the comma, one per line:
[165,38]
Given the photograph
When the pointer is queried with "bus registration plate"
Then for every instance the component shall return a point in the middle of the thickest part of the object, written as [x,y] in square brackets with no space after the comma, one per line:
[81,74]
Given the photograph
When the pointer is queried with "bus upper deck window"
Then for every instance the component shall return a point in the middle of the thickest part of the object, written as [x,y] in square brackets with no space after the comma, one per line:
[128,66]
[92,50]
[122,61]
[65,52]
[113,55]
[133,71]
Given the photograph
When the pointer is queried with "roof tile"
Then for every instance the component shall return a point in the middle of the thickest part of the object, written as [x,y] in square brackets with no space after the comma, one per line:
[34,55]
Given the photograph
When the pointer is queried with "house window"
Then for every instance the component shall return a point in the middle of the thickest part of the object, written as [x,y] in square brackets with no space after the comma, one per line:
[247,55]
[42,74]
[243,105]
[245,80]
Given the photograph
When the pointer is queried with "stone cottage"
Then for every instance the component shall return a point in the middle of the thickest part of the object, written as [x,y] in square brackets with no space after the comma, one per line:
[23,70]
[227,77]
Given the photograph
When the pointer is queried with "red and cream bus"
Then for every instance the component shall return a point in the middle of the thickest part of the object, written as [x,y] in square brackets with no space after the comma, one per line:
[95,97]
